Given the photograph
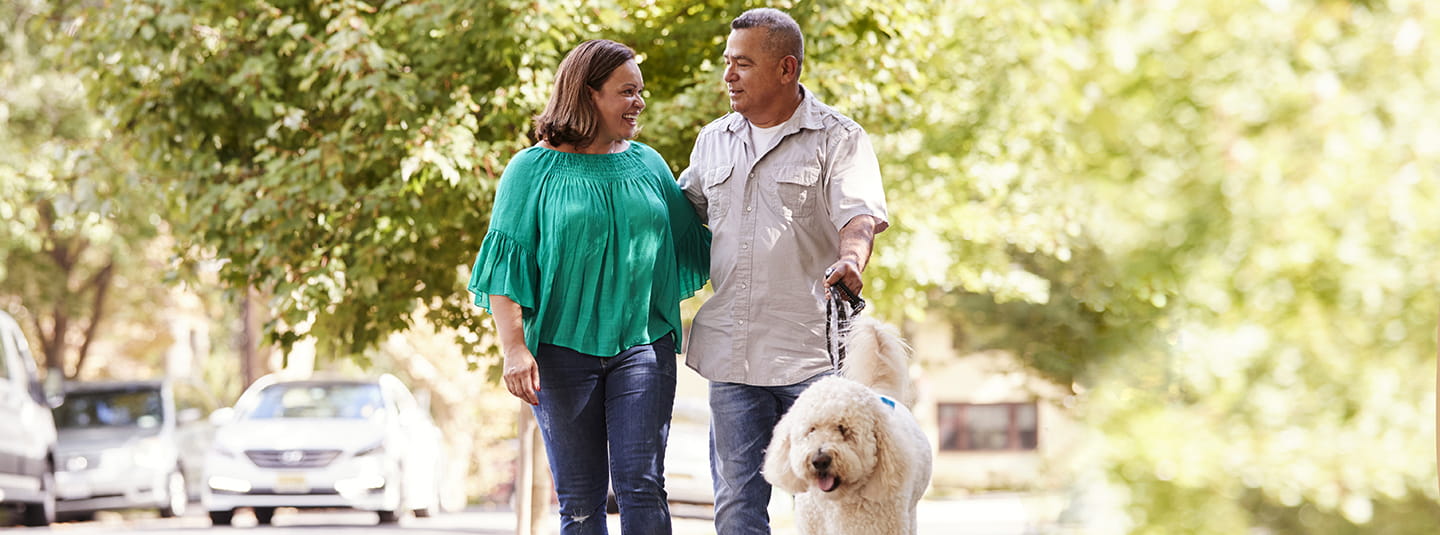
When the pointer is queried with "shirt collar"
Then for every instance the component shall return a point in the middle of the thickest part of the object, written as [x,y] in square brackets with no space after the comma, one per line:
[807,115]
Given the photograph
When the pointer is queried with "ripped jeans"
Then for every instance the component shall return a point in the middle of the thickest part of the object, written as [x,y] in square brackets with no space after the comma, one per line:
[625,401]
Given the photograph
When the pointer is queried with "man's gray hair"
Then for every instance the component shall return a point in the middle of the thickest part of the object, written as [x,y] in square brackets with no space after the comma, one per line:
[784,38]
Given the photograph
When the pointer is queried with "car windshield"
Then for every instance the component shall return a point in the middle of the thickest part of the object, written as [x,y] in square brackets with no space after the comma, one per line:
[110,408]
[358,401]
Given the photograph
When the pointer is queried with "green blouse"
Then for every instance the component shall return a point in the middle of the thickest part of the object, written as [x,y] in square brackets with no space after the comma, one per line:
[597,249]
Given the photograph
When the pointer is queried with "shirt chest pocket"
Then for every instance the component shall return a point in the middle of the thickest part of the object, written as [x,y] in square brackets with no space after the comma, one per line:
[795,191]
[715,180]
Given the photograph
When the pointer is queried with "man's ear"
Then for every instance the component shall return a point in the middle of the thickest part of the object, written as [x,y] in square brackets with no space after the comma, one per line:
[789,68]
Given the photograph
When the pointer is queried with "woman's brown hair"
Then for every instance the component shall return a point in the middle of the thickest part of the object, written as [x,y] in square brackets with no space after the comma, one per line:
[571,116]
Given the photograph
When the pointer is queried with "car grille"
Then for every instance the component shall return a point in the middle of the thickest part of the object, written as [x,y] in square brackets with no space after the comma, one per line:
[291,458]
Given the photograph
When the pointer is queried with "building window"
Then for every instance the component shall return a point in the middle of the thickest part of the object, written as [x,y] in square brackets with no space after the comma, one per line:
[988,427]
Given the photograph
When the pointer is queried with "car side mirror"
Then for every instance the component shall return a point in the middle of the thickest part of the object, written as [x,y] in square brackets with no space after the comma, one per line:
[54,387]
[188,415]
[222,416]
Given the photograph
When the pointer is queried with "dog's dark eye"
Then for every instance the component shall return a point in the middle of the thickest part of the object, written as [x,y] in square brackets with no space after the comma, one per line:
[844,432]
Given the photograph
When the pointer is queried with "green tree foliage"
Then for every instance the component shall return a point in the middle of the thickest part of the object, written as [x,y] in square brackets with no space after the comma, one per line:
[76,219]
[1215,219]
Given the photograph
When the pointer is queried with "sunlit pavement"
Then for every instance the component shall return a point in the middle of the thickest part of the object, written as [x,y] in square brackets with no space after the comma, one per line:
[992,514]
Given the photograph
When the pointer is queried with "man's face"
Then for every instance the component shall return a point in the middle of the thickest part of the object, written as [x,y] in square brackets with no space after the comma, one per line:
[753,73]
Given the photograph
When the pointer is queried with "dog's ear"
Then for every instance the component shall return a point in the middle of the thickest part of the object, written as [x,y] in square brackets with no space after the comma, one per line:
[883,483]
[777,460]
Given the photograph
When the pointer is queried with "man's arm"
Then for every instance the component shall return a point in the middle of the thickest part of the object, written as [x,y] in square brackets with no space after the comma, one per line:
[857,239]
[692,184]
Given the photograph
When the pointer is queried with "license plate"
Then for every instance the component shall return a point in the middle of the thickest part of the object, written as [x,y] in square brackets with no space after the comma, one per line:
[291,484]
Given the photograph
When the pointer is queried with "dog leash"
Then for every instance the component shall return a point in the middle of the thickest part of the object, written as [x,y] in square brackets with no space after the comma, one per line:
[841,305]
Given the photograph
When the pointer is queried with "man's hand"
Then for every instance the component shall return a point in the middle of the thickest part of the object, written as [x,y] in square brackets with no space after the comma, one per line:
[845,271]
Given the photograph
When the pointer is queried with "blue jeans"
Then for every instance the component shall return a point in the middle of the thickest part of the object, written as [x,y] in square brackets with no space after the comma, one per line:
[742,418]
[625,401]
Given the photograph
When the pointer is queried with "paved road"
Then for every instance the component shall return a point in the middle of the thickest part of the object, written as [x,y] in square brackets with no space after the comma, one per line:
[989,515]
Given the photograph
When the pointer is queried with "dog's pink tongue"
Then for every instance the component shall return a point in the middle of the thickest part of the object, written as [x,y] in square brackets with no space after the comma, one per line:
[827,483]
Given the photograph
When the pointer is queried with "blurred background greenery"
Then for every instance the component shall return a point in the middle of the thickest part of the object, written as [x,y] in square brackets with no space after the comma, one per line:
[1216,221]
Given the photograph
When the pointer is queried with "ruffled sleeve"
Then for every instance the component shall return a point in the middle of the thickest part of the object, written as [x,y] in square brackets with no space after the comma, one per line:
[505,266]
[507,263]
[692,247]
[692,238]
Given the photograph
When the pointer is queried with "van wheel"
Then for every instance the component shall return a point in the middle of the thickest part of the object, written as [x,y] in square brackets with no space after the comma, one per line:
[221,518]
[43,513]
[264,515]
[176,498]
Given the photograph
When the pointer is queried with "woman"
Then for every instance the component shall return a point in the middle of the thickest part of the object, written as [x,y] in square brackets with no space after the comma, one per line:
[590,250]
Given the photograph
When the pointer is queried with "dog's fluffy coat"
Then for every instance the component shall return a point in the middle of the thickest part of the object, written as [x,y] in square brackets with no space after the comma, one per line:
[856,463]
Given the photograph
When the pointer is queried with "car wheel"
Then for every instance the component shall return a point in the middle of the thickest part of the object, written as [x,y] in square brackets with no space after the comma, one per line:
[263,515]
[221,518]
[43,513]
[176,497]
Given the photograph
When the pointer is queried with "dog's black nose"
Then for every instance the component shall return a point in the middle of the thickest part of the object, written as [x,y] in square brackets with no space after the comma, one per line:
[821,461]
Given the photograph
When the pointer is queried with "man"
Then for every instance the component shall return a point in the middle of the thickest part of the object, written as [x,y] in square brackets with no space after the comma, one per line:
[791,190]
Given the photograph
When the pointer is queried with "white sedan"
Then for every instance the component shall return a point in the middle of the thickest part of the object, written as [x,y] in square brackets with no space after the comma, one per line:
[334,443]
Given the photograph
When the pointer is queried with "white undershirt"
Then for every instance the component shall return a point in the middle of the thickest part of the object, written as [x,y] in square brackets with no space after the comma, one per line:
[762,137]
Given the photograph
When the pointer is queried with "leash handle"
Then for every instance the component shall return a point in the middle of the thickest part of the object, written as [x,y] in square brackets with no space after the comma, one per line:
[841,305]
[856,303]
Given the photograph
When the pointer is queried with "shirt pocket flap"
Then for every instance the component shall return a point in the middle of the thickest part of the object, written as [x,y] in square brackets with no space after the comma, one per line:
[800,175]
[716,175]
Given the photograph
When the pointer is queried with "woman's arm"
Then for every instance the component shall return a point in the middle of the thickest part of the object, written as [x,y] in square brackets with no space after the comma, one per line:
[522,375]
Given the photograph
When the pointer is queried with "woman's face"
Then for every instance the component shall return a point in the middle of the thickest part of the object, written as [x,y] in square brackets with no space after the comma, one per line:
[619,103]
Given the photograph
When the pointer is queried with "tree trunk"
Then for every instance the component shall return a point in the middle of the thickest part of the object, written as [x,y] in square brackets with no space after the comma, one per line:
[252,366]
[532,485]
[100,284]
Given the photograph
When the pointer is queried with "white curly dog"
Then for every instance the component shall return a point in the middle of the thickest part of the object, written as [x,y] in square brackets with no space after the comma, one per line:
[849,449]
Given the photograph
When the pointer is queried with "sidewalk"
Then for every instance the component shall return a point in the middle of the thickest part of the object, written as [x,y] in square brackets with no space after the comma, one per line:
[990,514]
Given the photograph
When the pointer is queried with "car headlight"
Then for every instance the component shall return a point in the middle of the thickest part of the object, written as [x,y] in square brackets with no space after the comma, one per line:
[75,463]
[373,449]
[224,451]
[229,484]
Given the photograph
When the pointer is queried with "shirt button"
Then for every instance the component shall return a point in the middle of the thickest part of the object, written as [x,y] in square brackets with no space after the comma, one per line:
[742,286]
[752,175]
[744,246]
[749,208]
[742,322]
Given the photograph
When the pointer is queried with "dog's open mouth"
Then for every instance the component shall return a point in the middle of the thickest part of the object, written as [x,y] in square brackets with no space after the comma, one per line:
[827,483]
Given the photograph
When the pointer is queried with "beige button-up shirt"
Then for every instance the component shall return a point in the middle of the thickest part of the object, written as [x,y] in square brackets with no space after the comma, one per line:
[776,213]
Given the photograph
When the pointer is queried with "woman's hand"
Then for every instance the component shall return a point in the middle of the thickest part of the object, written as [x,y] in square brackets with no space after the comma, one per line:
[522,376]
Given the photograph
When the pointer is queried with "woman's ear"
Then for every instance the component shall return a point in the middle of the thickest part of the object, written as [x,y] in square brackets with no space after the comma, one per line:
[777,461]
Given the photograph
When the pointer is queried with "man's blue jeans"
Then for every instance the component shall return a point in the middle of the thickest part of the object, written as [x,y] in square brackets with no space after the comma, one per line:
[625,401]
[742,418]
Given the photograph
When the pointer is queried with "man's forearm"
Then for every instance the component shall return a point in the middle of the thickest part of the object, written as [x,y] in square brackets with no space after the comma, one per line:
[857,238]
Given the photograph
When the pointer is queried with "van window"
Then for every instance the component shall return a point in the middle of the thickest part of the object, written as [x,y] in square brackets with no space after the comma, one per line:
[139,407]
[7,349]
